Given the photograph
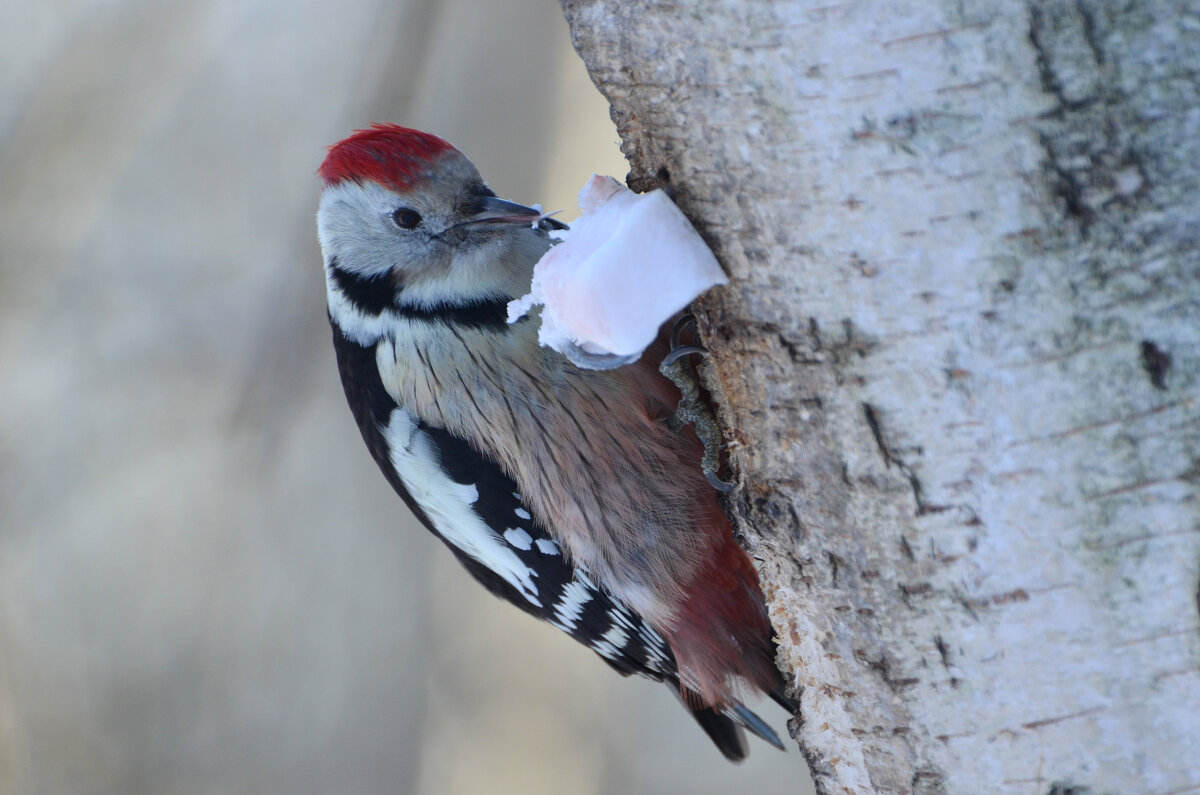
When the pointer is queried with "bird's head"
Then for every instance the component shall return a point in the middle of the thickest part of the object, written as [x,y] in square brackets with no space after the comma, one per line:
[405,221]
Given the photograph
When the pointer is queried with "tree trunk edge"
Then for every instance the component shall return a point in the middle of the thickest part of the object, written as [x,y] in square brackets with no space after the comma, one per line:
[1079,80]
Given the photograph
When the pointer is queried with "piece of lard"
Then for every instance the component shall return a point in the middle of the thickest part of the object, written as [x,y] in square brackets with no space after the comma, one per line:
[626,266]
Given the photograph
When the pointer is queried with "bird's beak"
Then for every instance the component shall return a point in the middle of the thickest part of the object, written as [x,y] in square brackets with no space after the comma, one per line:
[496,211]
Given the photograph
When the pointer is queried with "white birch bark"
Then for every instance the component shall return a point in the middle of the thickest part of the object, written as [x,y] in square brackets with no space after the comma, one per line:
[959,355]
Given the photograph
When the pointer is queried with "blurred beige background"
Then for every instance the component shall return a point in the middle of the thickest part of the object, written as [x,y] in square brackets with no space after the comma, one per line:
[205,584]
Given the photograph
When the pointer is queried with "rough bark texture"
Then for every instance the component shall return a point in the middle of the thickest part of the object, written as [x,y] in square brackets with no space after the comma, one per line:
[960,357]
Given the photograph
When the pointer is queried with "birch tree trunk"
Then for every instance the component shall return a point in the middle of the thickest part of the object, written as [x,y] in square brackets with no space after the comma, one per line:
[959,357]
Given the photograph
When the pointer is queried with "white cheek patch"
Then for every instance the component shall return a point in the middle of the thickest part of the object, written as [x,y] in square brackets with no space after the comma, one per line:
[349,227]
[449,505]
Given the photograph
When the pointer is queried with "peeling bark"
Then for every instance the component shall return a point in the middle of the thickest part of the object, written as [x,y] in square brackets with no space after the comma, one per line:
[959,360]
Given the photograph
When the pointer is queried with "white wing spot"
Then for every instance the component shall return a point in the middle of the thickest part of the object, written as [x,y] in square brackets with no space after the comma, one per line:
[518,538]
[524,514]
[621,616]
[570,604]
[467,492]
[449,504]
[547,547]
[616,636]
[653,644]
[611,642]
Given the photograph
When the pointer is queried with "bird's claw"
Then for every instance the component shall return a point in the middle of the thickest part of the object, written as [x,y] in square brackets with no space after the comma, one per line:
[683,350]
[691,409]
[720,485]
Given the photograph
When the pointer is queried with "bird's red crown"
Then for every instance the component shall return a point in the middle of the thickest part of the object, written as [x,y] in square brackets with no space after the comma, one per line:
[389,154]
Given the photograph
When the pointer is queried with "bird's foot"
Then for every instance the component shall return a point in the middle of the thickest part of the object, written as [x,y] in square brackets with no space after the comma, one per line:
[691,409]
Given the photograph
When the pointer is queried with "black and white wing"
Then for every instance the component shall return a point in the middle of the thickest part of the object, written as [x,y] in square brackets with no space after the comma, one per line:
[468,501]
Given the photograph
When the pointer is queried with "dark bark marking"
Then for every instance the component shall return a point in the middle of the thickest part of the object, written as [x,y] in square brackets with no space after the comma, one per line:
[1059,788]
[1156,362]
[943,651]
[833,567]
[890,458]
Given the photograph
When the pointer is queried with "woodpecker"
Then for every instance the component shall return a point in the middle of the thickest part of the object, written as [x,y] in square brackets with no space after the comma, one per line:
[562,490]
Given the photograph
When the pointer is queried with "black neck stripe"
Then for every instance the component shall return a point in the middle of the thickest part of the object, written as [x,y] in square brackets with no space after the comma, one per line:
[490,314]
[371,294]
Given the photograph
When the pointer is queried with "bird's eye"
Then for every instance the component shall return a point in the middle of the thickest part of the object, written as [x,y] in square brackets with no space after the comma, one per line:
[406,218]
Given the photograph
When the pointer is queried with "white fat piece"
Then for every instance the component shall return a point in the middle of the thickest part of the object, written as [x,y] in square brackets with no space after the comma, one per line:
[626,266]
[450,505]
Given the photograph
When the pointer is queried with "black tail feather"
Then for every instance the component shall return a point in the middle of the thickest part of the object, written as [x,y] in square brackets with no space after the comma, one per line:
[724,732]
[725,727]
[754,724]
[791,705]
